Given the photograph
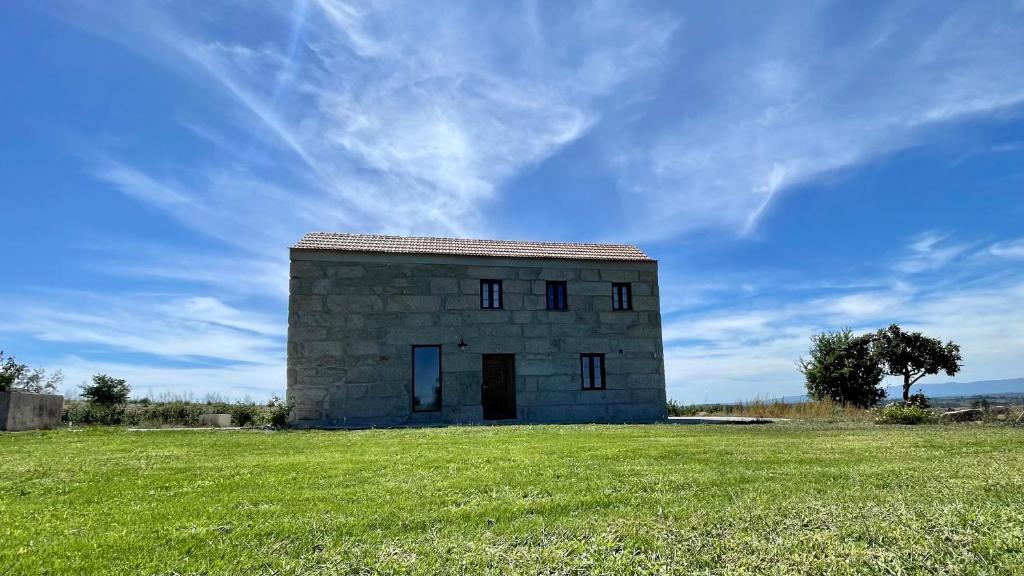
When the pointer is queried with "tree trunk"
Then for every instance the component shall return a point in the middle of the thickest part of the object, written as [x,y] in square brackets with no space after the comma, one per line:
[906,387]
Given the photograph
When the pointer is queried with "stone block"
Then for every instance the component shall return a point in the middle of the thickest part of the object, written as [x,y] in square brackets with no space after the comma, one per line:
[558,273]
[516,286]
[302,269]
[305,333]
[491,272]
[413,304]
[590,289]
[522,317]
[215,420]
[646,395]
[641,289]
[300,303]
[512,302]
[487,316]
[529,273]
[354,303]
[462,302]
[533,302]
[615,275]
[444,286]
[345,271]
[362,347]
[535,330]
[618,317]
[645,303]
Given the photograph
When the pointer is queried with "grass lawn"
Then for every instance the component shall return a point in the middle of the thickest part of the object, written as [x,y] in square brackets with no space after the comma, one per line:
[837,499]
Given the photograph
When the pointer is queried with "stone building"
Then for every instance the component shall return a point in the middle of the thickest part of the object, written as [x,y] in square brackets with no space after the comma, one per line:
[388,330]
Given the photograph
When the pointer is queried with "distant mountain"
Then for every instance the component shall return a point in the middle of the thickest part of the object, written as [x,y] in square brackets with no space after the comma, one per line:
[979,388]
[945,389]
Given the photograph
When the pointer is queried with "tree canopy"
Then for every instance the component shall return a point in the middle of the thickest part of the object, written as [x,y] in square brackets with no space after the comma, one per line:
[842,369]
[106,390]
[913,355]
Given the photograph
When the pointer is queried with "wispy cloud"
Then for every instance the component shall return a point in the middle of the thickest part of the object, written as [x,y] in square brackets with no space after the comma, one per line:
[404,118]
[1012,249]
[794,103]
[196,330]
[929,251]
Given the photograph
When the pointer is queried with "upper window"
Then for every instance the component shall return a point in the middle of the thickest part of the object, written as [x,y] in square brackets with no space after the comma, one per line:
[557,296]
[426,378]
[490,293]
[592,371]
[622,296]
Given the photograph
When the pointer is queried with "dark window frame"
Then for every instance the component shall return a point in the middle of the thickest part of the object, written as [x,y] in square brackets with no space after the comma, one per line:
[565,294]
[440,378]
[488,284]
[624,291]
[587,366]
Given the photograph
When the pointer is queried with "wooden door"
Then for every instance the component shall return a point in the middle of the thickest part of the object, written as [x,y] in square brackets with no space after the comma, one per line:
[498,389]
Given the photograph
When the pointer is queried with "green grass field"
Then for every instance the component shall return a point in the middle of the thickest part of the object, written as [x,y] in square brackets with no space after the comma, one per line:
[837,499]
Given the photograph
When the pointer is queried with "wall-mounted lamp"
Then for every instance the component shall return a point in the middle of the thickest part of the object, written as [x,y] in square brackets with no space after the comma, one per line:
[462,343]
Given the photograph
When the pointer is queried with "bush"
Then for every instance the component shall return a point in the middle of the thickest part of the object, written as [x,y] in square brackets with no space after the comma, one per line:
[279,410]
[93,413]
[174,413]
[919,400]
[245,414]
[904,414]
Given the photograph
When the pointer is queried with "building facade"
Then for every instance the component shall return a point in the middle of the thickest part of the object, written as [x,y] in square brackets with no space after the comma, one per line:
[391,331]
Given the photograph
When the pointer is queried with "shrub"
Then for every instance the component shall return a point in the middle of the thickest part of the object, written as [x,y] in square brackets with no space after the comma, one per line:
[245,414]
[93,413]
[278,412]
[919,400]
[903,413]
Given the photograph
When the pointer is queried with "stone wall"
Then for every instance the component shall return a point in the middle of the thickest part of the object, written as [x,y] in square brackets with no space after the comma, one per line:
[353,319]
[27,411]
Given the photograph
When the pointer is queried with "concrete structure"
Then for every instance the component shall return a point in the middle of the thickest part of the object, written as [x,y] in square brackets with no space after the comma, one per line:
[27,411]
[215,420]
[389,331]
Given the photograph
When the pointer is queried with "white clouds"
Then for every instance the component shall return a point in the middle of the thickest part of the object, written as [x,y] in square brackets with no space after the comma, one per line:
[398,117]
[199,330]
[929,252]
[1011,249]
[794,102]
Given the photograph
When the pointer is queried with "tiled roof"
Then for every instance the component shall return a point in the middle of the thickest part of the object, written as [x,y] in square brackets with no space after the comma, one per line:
[468,247]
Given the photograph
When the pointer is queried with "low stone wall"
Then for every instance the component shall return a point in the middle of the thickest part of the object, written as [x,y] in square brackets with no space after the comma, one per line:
[26,411]
[215,420]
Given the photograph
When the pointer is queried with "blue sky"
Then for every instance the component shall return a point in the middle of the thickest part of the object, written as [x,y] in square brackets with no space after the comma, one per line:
[794,166]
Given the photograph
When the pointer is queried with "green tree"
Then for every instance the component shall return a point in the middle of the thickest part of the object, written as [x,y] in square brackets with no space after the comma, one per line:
[20,377]
[913,355]
[106,390]
[842,369]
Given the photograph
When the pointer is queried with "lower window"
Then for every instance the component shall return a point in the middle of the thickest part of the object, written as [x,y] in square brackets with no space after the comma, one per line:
[592,371]
[426,378]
